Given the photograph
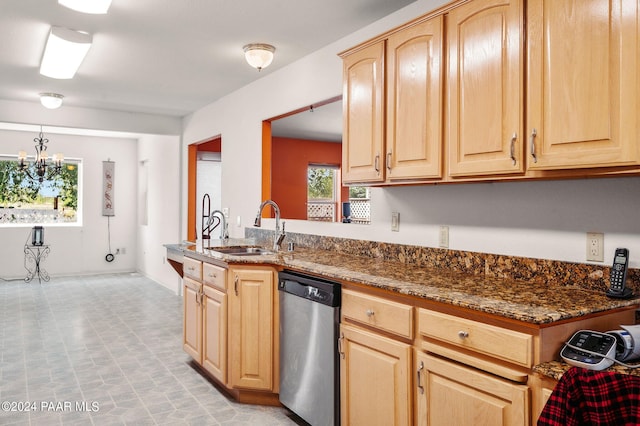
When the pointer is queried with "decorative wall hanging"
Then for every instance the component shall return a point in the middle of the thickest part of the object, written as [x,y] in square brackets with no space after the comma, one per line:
[108,182]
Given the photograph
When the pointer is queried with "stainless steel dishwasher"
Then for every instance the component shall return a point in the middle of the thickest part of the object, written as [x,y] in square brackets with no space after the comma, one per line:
[309,364]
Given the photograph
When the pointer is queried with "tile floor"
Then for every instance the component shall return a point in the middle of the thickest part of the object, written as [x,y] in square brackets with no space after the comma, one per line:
[105,350]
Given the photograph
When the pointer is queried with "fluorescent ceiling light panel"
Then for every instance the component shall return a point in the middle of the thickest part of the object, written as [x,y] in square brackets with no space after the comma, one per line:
[87,6]
[64,52]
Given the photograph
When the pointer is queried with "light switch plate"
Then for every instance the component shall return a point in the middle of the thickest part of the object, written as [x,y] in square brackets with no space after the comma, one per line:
[443,239]
[395,221]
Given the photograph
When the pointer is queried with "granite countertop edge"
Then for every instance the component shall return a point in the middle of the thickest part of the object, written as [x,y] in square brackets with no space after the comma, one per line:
[533,303]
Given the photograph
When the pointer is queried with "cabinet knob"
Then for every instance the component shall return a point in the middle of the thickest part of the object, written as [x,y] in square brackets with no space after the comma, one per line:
[463,334]
[370,313]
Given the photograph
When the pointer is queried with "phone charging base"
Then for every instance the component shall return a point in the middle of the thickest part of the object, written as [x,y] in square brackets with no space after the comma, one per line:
[625,294]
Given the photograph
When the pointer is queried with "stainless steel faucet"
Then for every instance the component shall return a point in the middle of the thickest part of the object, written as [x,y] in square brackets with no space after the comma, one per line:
[224,228]
[279,235]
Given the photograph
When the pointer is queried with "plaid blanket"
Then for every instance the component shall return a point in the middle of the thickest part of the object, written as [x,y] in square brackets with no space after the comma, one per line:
[587,397]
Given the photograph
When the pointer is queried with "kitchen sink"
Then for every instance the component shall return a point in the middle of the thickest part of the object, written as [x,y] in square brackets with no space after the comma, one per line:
[241,251]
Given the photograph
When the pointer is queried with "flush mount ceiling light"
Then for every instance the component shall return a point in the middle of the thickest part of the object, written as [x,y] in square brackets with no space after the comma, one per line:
[51,100]
[259,55]
[64,52]
[87,6]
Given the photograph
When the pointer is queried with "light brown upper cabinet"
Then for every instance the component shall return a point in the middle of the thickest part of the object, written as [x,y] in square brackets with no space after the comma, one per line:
[363,109]
[414,102]
[582,108]
[444,98]
[409,63]
[484,126]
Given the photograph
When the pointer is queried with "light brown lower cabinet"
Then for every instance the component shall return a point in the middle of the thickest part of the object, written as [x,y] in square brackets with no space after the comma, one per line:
[404,361]
[451,394]
[253,321]
[375,385]
[230,327]
[192,318]
[214,333]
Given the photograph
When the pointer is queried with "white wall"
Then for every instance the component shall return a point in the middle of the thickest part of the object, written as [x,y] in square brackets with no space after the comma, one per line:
[533,219]
[159,156]
[80,249]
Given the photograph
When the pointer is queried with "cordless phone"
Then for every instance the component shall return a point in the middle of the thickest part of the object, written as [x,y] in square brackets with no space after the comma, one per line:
[618,277]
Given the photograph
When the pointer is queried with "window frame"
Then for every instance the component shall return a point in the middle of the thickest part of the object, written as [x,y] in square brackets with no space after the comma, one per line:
[78,162]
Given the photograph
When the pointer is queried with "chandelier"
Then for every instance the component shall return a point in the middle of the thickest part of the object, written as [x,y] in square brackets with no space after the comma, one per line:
[40,164]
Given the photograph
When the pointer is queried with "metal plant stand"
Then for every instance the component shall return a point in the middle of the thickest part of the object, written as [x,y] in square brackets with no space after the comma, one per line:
[33,257]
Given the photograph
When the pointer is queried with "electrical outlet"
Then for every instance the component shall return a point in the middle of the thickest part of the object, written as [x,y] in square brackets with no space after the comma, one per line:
[595,246]
[225,212]
[444,237]
[395,221]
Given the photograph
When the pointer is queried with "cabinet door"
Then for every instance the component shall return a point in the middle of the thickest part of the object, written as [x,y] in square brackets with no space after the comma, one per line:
[251,328]
[192,319]
[414,102]
[214,333]
[375,384]
[363,109]
[582,106]
[485,88]
[449,394]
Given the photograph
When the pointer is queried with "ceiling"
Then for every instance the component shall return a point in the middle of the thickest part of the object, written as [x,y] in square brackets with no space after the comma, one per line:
[169,57]
[323,123]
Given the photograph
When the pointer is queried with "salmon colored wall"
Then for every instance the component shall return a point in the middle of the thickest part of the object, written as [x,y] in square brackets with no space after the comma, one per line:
[214,145]
[290,159]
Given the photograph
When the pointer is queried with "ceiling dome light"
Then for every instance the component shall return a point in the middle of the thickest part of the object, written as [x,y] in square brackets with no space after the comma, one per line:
[51,100]
[259,55]
[87,6]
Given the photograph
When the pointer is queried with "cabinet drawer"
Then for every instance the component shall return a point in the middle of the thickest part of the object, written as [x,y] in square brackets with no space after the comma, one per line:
[487,339]
[385,315]
[214,276]
[192,268]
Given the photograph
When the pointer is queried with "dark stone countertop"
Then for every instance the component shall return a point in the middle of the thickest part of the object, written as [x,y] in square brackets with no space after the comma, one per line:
[532,303]
[555,369]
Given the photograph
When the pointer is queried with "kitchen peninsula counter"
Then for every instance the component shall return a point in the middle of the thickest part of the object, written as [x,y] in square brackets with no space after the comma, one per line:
[519,300]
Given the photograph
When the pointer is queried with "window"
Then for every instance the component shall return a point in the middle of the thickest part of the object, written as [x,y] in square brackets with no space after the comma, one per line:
[360,202]
[322,192]
[25,201]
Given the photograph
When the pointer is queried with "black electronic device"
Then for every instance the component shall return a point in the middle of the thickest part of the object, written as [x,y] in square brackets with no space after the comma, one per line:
[588,349]
[37,236]
[618,276]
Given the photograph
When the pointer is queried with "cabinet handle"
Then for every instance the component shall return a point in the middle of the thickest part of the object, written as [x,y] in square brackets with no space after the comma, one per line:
[199,295]
[420,387]
[389,161]
[463,334]
[340,340]
[534,133]
[376,163]
[513,148]
[370,313]
[235,285]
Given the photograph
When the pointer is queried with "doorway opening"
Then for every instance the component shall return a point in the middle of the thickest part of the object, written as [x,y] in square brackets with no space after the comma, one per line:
[204,177]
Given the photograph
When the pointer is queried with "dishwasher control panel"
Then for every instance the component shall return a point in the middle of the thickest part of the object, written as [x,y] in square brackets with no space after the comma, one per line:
[311,288]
